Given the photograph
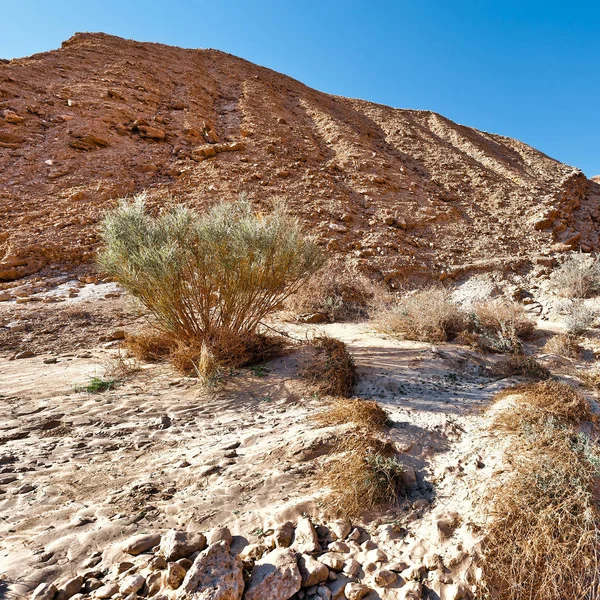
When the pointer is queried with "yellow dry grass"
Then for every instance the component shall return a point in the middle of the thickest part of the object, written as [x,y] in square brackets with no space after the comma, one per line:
[366,414]
[329,368]
[542,540]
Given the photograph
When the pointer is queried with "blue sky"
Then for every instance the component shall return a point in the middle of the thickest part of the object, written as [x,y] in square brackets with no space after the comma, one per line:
[526,69]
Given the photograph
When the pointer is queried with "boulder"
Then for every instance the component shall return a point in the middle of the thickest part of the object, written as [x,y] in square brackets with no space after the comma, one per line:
[44,591]
[356,591]
[333,560]
[70,588]
[305,537]
[131,584]
[141,543]
[219,534]
[215,575]
[284,534]
[179,544]
[312,570]
[152,133]
[275,577]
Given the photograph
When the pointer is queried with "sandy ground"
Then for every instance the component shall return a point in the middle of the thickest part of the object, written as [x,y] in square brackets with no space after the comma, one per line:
[79,471]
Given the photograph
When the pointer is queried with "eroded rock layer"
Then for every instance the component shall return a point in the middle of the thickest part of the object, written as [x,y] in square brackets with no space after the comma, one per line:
[400,192]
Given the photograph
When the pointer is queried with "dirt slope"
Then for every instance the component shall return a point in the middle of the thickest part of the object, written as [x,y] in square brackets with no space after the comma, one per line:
[400,192]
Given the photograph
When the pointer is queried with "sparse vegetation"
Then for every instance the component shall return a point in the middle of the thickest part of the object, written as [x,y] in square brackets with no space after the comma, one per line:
[366,414]
[521,365]
[119,366]
[578,276]
[564,344]
[97,385]
[149,345]
[579,319]
[329,368]
[539,402]
[543,538]
[429,315]
[209,371]
[501,326]
[209,278]
[337,293]
[365,474]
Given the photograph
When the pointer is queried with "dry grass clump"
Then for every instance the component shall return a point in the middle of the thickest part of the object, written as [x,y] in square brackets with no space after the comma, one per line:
[543,538]
[120,366]
[520,365]
[338,293]
[501,326]
[366,414]
[364,475]
[578,276]
[564,344]
[538,402]
[429,315]
[329,368]
[579,319]
[228,350]
[150,346]
[590,378]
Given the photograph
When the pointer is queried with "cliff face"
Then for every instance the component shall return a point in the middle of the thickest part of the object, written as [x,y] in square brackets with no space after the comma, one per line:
[400,192]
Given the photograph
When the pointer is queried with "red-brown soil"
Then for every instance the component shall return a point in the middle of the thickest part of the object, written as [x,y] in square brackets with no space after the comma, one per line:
[399,192]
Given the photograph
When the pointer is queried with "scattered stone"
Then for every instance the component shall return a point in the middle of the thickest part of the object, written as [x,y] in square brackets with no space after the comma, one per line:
[338,547]
[141,543]
[385,577]
[275,577]
[215,575]
[24,354]
[179,544]
[132,584]
[284,534]
[351,567]
[219,534]
[312,570]
[356,591]
[338,228]
[157,563]
[305,537]
[44,591]
[175,575]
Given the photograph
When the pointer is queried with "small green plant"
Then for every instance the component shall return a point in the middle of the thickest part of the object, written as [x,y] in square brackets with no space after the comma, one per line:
[259,371]
[97,385]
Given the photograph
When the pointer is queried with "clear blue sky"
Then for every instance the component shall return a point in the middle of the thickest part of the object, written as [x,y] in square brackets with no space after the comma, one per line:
[526,69]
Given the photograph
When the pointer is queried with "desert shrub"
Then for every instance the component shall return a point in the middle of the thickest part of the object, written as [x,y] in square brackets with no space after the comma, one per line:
[428,315]
[207,277]
[501,325]
[520,365]
[365,474]
[328,367]
[579,318]
[542,539]
[578,276]
[337,293]
[366,414]
[149,345]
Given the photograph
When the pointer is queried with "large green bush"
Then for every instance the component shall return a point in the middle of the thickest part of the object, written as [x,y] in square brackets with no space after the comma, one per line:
[210,275]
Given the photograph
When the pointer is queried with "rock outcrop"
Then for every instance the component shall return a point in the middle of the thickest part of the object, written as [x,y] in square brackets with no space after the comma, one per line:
[401,193]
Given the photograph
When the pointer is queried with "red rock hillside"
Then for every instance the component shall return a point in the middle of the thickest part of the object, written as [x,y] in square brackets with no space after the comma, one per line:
[399,192]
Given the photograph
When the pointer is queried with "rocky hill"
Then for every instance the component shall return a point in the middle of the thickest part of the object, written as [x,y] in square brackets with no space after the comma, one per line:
[399,192]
